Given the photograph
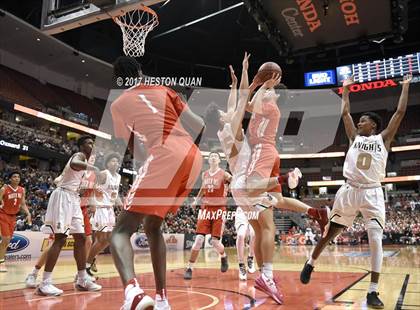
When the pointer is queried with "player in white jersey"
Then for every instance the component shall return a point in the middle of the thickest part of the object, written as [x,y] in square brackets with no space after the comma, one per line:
[364,169]
[64,217]
[104,199]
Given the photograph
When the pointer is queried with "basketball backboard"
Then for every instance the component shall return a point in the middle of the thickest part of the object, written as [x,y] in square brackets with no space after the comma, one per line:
[62,15]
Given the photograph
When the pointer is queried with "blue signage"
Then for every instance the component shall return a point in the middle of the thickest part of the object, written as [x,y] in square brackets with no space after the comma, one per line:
[320,78]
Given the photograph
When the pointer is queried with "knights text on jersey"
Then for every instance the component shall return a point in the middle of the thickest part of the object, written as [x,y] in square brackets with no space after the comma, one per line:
[366,160]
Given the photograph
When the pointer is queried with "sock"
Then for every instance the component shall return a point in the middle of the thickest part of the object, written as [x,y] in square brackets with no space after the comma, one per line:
[190,265]
[311,261]
[223,255]
[267,270]
[312,212]
[35,271]
[373,287]
[88,265]
[161,294]
[81,274]
[46,275]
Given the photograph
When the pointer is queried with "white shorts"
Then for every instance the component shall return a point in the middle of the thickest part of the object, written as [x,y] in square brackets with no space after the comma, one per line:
[350,200]
[250,204]
[104,219]
[64,215]
[240,219]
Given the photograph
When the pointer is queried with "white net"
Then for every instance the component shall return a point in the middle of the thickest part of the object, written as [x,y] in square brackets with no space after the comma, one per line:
[135,26]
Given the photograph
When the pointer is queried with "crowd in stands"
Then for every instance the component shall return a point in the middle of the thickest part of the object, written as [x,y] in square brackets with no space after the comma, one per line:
[402,217]
[14,133]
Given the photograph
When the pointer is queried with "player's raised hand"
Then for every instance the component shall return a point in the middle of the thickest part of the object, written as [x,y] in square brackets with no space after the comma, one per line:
[245,61]
[273,81]
[349,81]
[233,76]
[407,79]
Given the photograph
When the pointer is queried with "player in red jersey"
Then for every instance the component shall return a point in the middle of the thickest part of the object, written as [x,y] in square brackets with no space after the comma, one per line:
[150,116]
[264,176]
[213,194]
[12,200]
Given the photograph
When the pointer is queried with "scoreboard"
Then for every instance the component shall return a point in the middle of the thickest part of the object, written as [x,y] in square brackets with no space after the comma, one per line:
[380,69]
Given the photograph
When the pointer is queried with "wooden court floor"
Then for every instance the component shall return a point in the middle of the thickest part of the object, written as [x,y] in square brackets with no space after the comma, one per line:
[339,282]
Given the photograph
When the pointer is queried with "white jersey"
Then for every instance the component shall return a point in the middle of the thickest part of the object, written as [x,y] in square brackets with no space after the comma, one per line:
[70,179]
[106,194]
[366,160]
[238,164]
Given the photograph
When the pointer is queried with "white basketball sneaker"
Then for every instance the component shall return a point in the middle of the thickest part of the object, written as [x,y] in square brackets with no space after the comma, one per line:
[46,288]
[293,179]
[161,304]
[30,281]
[87,284]
[137,300]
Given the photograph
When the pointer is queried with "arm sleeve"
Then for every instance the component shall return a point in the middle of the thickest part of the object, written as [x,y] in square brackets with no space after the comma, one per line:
[121,128]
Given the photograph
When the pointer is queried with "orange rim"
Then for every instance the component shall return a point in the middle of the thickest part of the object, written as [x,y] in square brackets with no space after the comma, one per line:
[142,8]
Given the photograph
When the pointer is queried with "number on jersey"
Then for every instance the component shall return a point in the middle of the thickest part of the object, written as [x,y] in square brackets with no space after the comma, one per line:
[364,161]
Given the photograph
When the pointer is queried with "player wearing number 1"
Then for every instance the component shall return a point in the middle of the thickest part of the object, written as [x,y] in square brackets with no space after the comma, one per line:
[151,119]
[364,169]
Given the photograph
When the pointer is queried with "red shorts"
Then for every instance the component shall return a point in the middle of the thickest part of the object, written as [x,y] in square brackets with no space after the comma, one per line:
[265,163]
[212,224]
[7,224]
[86,221]
[166,178]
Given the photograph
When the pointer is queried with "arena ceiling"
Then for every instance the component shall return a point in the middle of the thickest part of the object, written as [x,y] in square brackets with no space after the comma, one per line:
[206,48]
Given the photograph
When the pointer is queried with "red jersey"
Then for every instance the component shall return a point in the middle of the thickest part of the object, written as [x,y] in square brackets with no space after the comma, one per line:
[12,199]
[87,187]
[215,190]
[263,127]
[152,112]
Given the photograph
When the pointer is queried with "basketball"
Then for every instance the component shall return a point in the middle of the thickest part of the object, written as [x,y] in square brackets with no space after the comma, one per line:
[266,71]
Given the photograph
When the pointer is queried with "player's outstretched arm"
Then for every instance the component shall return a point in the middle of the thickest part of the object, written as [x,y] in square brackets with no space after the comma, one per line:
[200,193]
[24,207]
[78,163]
[256,104]
[389,132]
[245,91]
[227,177]
[244,76]
[233,95]
[345,110]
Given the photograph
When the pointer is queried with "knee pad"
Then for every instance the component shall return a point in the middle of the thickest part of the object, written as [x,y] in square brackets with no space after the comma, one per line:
[217,244]
[199,240]
[375,245]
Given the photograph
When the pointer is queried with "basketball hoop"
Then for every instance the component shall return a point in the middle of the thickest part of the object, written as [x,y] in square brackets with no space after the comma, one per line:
[135,26]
